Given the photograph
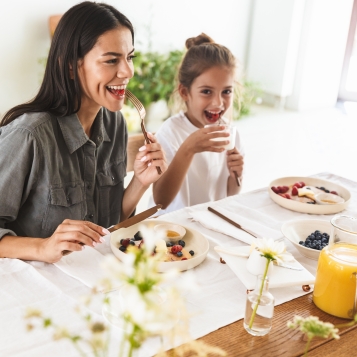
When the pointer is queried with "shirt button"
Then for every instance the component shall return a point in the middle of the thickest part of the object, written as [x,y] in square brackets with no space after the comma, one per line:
[67,198]
[100,138]
[113,178]
[90,216]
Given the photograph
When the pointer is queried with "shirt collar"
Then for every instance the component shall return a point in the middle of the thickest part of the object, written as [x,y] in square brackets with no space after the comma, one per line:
[74,135]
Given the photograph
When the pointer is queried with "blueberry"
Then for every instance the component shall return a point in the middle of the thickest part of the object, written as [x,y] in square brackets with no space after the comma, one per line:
[322,188]
[327,191]
[317,232]
[169,244]
[122,248]
[179,254]
[301,242]
[311,202]
[181,243]
[132,242]
[138,236]
[191,252]
[324,240]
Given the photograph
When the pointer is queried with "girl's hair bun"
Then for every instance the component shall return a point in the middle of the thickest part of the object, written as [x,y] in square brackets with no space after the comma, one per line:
[198,40]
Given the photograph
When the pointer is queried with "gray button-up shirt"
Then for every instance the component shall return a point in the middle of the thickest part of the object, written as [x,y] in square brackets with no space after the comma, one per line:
[50,170]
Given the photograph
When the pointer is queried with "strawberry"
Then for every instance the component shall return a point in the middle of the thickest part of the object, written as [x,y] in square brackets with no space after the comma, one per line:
[302,184]
[294,191]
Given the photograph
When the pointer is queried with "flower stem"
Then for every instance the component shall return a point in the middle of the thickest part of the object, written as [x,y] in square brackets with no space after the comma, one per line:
[260,294]
[307,345]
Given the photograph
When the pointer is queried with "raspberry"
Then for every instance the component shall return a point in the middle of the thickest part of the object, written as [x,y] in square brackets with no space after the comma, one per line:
[280,189]
[274,189]
[125,242]
[287,196]
[294,191]
[302,183]
[284,189]
[184,259]
[175,249]
[297,184]
[334,192]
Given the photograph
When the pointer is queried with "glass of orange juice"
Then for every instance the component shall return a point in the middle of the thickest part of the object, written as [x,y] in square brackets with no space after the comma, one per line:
[336,277]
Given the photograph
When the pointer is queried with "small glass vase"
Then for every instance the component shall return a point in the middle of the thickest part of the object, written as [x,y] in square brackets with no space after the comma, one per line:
[259,309]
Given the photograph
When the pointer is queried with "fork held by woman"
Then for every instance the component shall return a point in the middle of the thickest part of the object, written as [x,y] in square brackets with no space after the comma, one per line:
[142,113]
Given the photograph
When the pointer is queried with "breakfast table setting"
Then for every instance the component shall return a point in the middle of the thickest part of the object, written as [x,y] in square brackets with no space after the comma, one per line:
[221,235]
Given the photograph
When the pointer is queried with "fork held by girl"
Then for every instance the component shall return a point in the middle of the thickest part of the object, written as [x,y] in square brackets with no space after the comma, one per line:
[200,169]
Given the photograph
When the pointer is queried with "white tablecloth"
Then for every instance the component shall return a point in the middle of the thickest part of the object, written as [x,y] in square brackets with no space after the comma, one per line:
[220,301]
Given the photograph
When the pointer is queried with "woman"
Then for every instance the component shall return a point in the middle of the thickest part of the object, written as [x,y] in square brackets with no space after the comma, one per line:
[63,154]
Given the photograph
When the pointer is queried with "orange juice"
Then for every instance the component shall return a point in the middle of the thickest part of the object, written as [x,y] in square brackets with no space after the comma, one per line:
[335,285]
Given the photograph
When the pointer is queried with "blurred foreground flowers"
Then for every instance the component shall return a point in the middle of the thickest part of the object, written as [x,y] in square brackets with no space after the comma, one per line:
[140,301]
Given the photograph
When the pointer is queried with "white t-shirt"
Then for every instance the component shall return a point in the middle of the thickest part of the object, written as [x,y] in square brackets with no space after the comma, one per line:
[206,178]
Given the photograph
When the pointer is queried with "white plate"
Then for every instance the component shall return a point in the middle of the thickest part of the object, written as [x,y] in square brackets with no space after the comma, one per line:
[194,241]
[305,207]
[298,229]
[281,277]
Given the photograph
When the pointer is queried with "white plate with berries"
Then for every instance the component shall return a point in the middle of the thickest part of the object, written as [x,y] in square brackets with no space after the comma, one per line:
[309,195]
[188,252]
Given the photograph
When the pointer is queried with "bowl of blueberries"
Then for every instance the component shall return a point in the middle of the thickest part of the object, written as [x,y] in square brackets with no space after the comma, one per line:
[309,236]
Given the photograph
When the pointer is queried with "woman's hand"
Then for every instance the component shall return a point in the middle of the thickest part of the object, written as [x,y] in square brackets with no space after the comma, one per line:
[201,140]
[148,157]
[73,236]
[235,162]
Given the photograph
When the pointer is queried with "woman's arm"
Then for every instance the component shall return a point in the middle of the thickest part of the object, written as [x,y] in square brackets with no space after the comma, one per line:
[70,235]
[145,173]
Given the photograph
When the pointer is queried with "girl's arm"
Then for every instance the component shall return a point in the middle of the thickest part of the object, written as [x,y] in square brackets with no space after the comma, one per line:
[235,164]
[166,188]
[145,173]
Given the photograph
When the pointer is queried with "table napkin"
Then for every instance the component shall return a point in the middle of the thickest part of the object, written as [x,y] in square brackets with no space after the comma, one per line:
[84,265]
[248,218]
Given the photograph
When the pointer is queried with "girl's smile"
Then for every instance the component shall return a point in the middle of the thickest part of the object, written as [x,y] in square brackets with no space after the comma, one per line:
[209,96]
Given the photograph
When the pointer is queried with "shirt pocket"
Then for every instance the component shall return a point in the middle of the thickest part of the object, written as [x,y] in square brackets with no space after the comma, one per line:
[111,189]
[65,202]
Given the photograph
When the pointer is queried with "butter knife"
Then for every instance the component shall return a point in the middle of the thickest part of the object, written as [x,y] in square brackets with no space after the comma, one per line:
[129,222]
[235,224]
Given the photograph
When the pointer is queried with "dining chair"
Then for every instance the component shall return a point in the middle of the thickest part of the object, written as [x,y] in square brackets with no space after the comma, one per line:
[135,141]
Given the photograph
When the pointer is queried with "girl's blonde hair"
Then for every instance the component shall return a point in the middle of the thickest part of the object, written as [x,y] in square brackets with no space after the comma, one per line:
[202,54]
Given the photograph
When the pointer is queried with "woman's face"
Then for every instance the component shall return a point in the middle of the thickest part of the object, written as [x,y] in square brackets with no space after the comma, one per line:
[209,97]
[105,71]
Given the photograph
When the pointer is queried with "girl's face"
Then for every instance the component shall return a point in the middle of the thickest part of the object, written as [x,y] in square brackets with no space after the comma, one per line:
[209,97]
[105,71]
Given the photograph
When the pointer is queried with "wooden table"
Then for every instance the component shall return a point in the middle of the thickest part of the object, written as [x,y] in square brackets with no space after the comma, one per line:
[282,341]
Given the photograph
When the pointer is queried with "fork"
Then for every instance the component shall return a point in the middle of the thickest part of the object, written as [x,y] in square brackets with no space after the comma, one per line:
[142,113]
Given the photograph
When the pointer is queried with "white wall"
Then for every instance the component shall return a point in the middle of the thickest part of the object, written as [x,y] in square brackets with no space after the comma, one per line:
[274,42]
[321,54]
[25,38]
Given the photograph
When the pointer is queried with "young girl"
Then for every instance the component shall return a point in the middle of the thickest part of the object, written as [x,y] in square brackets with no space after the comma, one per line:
[200,170]
[63,154]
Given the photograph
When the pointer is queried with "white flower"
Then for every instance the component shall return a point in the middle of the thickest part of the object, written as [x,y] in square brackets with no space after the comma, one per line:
[313,327]
[273,250]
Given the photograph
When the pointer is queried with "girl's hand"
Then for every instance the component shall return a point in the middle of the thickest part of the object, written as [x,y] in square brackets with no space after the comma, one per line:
[201,140]
[73,236]
[148,157]
[235,162]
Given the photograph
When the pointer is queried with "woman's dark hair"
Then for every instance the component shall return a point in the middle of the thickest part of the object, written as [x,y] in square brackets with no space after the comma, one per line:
[76,34]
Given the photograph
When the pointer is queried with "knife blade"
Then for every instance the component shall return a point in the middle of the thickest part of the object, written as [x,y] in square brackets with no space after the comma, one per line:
[128,222]
[135,219]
